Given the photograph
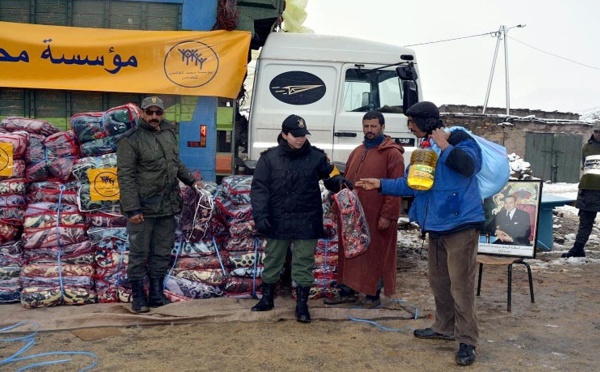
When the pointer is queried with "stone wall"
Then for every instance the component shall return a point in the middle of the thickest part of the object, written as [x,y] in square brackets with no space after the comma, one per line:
[513,135]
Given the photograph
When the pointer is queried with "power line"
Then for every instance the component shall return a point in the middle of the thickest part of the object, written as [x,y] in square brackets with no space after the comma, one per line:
[555,55]
[492,33]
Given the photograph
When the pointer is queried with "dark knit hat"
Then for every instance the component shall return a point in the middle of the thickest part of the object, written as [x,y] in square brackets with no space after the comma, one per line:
[424,109]
[425,115]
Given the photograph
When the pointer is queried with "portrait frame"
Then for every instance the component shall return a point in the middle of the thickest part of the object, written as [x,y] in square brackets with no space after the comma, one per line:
[508,236]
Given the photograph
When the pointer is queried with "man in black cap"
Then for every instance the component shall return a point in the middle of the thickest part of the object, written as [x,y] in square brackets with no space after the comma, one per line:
[452,214]
[148,171]
[287,208]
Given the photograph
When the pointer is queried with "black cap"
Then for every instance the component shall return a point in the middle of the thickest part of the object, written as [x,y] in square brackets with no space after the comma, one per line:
[296,125]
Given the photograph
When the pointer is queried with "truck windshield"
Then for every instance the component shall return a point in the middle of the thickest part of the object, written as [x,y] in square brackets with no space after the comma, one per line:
[366,90]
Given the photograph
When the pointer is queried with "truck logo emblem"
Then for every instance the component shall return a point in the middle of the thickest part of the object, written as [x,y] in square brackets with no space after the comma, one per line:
[297,88]
[294,89]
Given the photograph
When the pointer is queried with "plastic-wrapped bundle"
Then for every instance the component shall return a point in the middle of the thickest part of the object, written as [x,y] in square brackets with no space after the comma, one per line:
[180,289]
[86,204]
[12,249]
[12,209]
[17,170]
[13,186]
[48,215]
[8,232]
[237,189]
[37,297]
[101,146]
[118,120]
[233,213]
[196,213]
[62,150]
[354,230]
[53,270]
[247,272]
[54,236]
[82,165]
[245,259]
[19,141]
[12,215]
[246,243]
[53,192]
[35,158]
[10,285]
[214,277]
[87,126]
[242,229]
[108,291]
[195,249]
[74,254]
[14,124]
[240,287]
[111,255]
[103,219]
[202,262]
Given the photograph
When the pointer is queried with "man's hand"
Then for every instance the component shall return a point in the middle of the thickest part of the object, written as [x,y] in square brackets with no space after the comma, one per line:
[440,137]
[138,218]
[368,183]
[383,223]
[198,185]
[503,237]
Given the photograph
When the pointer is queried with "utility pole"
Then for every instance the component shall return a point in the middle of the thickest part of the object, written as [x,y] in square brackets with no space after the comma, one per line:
[501,34]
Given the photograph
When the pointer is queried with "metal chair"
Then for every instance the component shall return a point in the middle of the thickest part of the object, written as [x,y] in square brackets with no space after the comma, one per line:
[483,259]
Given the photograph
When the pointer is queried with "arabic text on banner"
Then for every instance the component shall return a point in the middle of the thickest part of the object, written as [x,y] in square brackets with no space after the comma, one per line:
[161,62]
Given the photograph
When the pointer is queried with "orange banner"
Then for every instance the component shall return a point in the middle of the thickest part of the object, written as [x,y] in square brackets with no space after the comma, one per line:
[160,62]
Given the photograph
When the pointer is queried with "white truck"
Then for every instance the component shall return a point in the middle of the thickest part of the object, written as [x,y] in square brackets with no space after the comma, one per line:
[331,81]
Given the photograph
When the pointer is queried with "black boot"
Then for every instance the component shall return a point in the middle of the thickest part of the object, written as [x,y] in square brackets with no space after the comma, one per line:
[140,304]
[302,314]
[266,302]
[576,251]
[156,297]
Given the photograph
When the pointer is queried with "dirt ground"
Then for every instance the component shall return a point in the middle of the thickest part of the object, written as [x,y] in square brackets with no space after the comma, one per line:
[560,331]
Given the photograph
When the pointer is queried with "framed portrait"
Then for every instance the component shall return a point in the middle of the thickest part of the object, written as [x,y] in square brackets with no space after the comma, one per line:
[511,220]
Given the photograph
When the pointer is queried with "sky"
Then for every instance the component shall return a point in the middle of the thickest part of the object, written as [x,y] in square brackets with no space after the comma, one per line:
[458,72]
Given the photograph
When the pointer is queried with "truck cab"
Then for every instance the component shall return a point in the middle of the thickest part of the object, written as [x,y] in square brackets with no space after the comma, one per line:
[331,81]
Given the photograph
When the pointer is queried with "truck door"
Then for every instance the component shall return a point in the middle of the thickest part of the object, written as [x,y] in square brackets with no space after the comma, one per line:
[362,90]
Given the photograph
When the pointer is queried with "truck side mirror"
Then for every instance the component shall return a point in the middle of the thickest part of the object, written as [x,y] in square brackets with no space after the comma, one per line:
[407,72]
[411,94]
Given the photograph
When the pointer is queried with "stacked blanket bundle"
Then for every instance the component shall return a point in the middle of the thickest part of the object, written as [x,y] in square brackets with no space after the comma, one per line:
[245,247]
[111,253]
[59,258]
[98,132]
[198,261]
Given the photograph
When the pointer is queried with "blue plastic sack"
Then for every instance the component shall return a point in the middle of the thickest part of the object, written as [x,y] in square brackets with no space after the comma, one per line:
[495,167]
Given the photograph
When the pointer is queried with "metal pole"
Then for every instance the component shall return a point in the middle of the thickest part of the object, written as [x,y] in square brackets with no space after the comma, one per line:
[489,87]
[505,31]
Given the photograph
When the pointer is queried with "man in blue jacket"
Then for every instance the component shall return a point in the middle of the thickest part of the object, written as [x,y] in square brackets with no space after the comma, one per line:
[452,213]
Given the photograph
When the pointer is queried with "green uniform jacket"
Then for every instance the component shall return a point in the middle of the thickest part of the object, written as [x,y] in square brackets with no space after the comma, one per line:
[148,169]
[590,181]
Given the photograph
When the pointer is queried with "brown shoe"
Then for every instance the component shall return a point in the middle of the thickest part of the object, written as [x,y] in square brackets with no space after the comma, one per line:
[338,300]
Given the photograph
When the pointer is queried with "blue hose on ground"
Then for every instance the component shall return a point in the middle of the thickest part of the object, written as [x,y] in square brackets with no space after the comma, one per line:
[376,324]
[29,340]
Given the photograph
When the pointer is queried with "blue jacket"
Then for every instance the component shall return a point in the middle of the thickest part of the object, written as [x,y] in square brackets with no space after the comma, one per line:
[453,203]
